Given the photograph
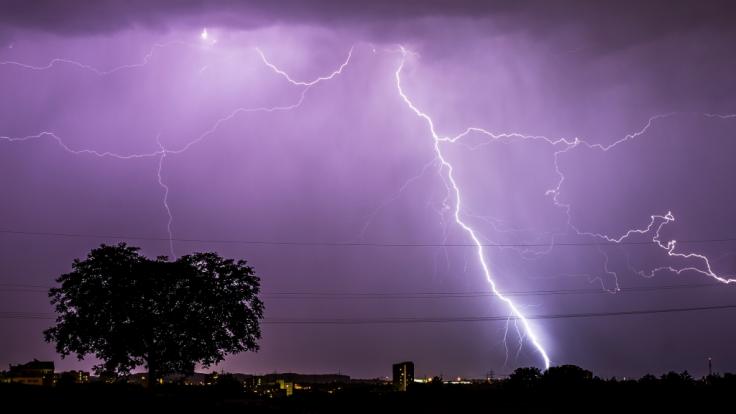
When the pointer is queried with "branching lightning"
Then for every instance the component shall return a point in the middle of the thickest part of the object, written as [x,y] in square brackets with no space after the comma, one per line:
[163,152]
[165,187]
[453,201]
[654,227]
[306,83]
[100,72]
[60,142]
[457,211]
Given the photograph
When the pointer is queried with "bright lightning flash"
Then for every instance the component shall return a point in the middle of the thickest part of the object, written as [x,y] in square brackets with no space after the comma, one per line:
[457,211]
[454,199]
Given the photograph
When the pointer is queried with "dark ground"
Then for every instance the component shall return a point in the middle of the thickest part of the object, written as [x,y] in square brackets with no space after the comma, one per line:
[592,395]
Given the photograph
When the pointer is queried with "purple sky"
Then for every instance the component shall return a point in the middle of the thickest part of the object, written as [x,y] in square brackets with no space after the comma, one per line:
[614,110]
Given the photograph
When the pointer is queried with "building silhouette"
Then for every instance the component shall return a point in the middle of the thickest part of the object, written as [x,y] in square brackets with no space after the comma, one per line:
[403,375]
[33,373]
[71,377]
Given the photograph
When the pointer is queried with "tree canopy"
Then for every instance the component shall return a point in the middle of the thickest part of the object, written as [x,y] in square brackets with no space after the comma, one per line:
[129,311]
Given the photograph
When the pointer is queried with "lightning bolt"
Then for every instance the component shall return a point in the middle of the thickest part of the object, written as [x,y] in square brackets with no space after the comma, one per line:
[100,72]
[60,142]
[452,202]
[395,196]
[306,83]
[165,187]
[575,143]
[457,211]
[652,227]
[655,225]
[162,153]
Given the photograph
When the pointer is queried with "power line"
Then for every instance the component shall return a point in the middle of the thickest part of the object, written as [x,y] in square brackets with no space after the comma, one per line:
[366,321]
[15,287]
[409,295]
[352,244]
[383,321]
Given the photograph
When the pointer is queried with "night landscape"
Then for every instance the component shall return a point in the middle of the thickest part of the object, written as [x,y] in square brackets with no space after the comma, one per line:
[367,206]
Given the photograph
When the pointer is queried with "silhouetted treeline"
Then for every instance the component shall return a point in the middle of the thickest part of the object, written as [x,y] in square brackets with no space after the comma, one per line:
[565,388]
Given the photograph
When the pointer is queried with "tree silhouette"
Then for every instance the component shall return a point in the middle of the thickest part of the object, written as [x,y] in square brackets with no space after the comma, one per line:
[129,311]
[567,375]
[525,377]
[674,379]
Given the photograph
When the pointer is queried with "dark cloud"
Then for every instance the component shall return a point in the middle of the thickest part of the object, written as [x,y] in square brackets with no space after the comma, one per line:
[611,23]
